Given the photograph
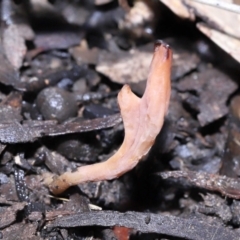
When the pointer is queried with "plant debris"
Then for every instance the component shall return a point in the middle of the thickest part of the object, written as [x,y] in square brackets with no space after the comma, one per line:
[28,132]
[229,187]
[9,214]
[212,105]
[147,223]
[8,75]
[63,64]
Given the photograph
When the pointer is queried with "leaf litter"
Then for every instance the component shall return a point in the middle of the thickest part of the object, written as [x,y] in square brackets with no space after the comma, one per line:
[199,139]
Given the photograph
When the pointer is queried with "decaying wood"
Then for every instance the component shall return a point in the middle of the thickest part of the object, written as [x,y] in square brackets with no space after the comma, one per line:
[229,187]
[15,132]
[149,223]
[143,119]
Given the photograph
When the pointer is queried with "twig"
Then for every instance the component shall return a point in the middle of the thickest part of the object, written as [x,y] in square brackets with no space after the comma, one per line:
[186,228]
[227,186]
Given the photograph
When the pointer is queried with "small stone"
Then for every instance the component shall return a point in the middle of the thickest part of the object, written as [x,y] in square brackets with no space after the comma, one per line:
[56,104]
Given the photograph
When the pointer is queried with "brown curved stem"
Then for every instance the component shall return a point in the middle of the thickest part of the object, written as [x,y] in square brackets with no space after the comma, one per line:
[143,119]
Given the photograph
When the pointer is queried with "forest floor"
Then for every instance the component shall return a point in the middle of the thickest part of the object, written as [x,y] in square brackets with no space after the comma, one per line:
[62,66]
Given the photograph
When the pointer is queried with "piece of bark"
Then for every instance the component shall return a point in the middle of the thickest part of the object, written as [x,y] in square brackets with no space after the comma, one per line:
[54,161]
[148,223]
[22,230]
[229,187]
[9,214]
[11,107]
[17,133]
[215,205]
[8,75]
[143,119]
[210,104]
[15,31]
[14,45]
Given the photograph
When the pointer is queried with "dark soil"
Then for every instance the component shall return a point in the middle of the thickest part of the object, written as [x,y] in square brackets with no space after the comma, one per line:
[59,111]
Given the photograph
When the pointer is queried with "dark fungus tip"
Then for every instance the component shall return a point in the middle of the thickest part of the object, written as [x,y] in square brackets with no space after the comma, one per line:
[159,43]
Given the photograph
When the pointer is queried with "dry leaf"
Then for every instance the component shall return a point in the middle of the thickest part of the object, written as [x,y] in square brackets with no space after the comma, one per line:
[221,26]
[14,45]
[124,67]
[227,43]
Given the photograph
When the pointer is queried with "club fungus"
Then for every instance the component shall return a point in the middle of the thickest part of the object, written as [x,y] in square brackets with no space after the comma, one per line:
[142,118]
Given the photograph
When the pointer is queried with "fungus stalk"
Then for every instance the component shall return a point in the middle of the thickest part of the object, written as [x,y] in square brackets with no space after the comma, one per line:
[142,118]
